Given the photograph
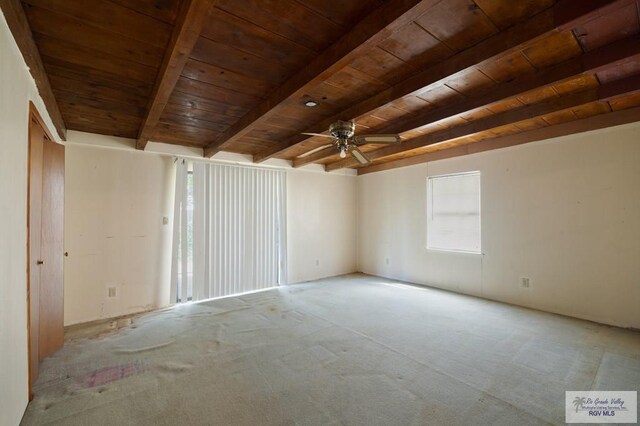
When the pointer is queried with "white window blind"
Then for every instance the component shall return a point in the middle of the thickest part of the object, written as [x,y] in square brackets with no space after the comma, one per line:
[453,212]
[238,231]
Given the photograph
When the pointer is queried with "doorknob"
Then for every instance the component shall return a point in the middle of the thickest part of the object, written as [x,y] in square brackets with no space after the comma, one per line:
[40,262]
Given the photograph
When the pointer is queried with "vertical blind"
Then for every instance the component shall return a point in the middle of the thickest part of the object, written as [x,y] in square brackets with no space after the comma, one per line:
[453,212]
[235,238]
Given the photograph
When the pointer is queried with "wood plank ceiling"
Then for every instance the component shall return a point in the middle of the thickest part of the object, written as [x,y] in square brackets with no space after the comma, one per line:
[234,75]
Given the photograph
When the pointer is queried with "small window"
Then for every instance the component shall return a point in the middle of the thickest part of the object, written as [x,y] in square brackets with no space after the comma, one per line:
[453,212]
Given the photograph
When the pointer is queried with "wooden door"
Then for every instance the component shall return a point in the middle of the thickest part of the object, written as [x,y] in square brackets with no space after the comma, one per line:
[45,224]
[36,146]
[52,250]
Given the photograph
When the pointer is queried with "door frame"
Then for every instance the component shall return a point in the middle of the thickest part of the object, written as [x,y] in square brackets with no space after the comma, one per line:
[34,114]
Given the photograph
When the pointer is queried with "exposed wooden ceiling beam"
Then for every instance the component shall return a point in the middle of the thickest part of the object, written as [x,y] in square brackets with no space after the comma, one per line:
[602,93]
[614,54]
[566,14]
[578,126]
[193,15]
[608,56]
[19,26]
[371,31]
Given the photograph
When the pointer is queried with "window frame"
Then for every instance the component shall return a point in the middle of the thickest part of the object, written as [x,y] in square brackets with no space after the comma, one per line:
[428,204]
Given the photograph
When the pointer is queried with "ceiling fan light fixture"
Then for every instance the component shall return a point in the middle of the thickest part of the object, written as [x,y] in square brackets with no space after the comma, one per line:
[310,104]
[344,140]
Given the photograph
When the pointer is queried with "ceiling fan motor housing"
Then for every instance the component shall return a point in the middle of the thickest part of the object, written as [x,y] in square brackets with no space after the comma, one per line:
[342,129]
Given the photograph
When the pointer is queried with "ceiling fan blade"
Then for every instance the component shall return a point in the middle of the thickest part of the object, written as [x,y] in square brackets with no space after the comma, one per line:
[313,151]
[320,135]
[362,139]
[359,155]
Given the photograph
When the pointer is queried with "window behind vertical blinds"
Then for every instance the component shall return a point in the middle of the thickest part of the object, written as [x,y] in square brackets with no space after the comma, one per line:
[453,212]
[239,231]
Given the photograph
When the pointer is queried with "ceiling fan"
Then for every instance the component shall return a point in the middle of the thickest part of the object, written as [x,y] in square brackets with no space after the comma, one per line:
[342,132]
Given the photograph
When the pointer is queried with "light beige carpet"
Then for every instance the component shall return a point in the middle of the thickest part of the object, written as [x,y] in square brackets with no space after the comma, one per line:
[354,350]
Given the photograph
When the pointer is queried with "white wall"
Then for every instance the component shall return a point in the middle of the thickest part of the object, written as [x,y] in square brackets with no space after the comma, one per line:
[321,224]
[564,212]
[16,90]
[115,201]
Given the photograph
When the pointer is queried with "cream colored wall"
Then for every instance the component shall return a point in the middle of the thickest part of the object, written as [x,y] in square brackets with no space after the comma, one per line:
[116,198]
[114,208]
[16,90]
[564,212]
[321,224]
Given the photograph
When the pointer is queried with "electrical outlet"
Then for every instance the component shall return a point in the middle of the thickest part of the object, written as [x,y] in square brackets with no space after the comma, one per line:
[317,262]
[165,220]
[112,292]
[386,260]
[525,282]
